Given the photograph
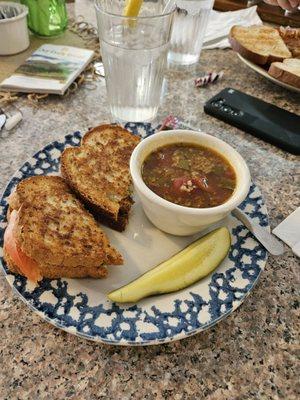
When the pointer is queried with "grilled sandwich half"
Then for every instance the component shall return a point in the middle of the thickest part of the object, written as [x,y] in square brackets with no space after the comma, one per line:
[98,172]
[51,235]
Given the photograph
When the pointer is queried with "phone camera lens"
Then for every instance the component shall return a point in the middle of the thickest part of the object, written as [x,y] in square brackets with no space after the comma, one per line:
[217,103]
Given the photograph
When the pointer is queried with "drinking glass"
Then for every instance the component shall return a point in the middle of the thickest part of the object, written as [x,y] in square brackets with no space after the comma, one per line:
[134,54]
[190,22]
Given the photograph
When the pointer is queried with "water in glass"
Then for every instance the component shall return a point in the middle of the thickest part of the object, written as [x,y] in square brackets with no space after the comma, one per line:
[134,73]
[190,22]
[134,54]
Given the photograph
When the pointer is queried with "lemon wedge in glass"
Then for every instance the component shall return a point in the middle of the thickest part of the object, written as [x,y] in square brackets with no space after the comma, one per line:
[132,8]
[183,269]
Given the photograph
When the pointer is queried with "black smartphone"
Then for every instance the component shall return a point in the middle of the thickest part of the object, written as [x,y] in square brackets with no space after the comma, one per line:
[255,116]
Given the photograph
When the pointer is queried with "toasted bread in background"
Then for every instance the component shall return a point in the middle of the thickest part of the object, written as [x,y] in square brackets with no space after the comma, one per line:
[291,37]
[288,71]
[98,172]
[57,232]
[260,44]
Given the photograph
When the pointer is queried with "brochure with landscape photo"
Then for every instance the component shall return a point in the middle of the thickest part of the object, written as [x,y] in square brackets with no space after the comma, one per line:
[50,69]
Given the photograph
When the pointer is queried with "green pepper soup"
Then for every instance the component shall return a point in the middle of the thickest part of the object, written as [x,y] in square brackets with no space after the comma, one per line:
[189,175]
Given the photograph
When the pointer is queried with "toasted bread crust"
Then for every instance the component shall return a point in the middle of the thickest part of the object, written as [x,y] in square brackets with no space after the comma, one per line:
[118,224]
[291,37]
[80,183]
[105,149]
[248,49]
[100,214]
[276,70]
[106,133]
[248,54]
[58,271]
[54,229]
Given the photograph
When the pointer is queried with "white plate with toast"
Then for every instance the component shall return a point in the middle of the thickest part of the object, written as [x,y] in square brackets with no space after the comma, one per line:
[81,307]
[271,52]
[265,74]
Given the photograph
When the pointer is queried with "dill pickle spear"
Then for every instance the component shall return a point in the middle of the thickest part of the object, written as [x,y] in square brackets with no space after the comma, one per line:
[183,269]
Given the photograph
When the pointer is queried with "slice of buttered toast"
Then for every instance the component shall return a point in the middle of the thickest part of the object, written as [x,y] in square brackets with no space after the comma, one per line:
[291,37]
[98,172]
[50,234]
[288,71]
[260,44]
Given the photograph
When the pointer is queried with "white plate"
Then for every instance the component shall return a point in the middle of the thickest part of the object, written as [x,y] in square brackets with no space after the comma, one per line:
[81,307]
[264,73]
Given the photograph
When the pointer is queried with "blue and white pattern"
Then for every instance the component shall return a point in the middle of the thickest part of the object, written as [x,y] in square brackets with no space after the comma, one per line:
[76,309]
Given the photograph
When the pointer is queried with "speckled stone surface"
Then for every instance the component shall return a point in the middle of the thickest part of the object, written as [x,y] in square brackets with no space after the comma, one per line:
[250,355]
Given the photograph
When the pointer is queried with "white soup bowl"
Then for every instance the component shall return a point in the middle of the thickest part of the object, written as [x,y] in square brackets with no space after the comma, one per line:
[173,218]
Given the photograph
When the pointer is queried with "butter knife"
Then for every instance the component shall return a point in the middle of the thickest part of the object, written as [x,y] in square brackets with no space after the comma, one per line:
[269,241]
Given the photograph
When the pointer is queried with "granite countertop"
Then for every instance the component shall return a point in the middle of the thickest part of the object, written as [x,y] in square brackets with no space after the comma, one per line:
[250,354]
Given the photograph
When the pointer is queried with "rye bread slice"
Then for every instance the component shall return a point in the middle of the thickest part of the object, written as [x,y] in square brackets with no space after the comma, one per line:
[288,71]
[260,44]
[56,231]
[98,172]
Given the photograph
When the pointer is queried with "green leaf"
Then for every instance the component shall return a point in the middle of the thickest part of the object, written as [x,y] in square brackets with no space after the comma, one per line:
[183,164]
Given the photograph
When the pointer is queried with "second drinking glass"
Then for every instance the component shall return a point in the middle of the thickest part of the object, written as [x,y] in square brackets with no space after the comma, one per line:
[134,53]
[190,23]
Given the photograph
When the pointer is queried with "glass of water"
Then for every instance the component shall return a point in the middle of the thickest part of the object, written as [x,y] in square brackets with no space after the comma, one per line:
[134,54]
[190,22]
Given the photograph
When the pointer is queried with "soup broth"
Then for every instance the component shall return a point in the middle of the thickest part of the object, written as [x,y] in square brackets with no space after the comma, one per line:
[189,175]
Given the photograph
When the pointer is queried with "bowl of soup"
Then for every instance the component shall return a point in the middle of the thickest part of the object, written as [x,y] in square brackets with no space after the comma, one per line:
[188,180]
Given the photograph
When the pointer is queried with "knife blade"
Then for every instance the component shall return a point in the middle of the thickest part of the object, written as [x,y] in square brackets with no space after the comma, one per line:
[270,243]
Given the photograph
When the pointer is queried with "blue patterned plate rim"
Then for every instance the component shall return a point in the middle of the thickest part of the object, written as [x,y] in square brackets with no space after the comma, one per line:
[46,161]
